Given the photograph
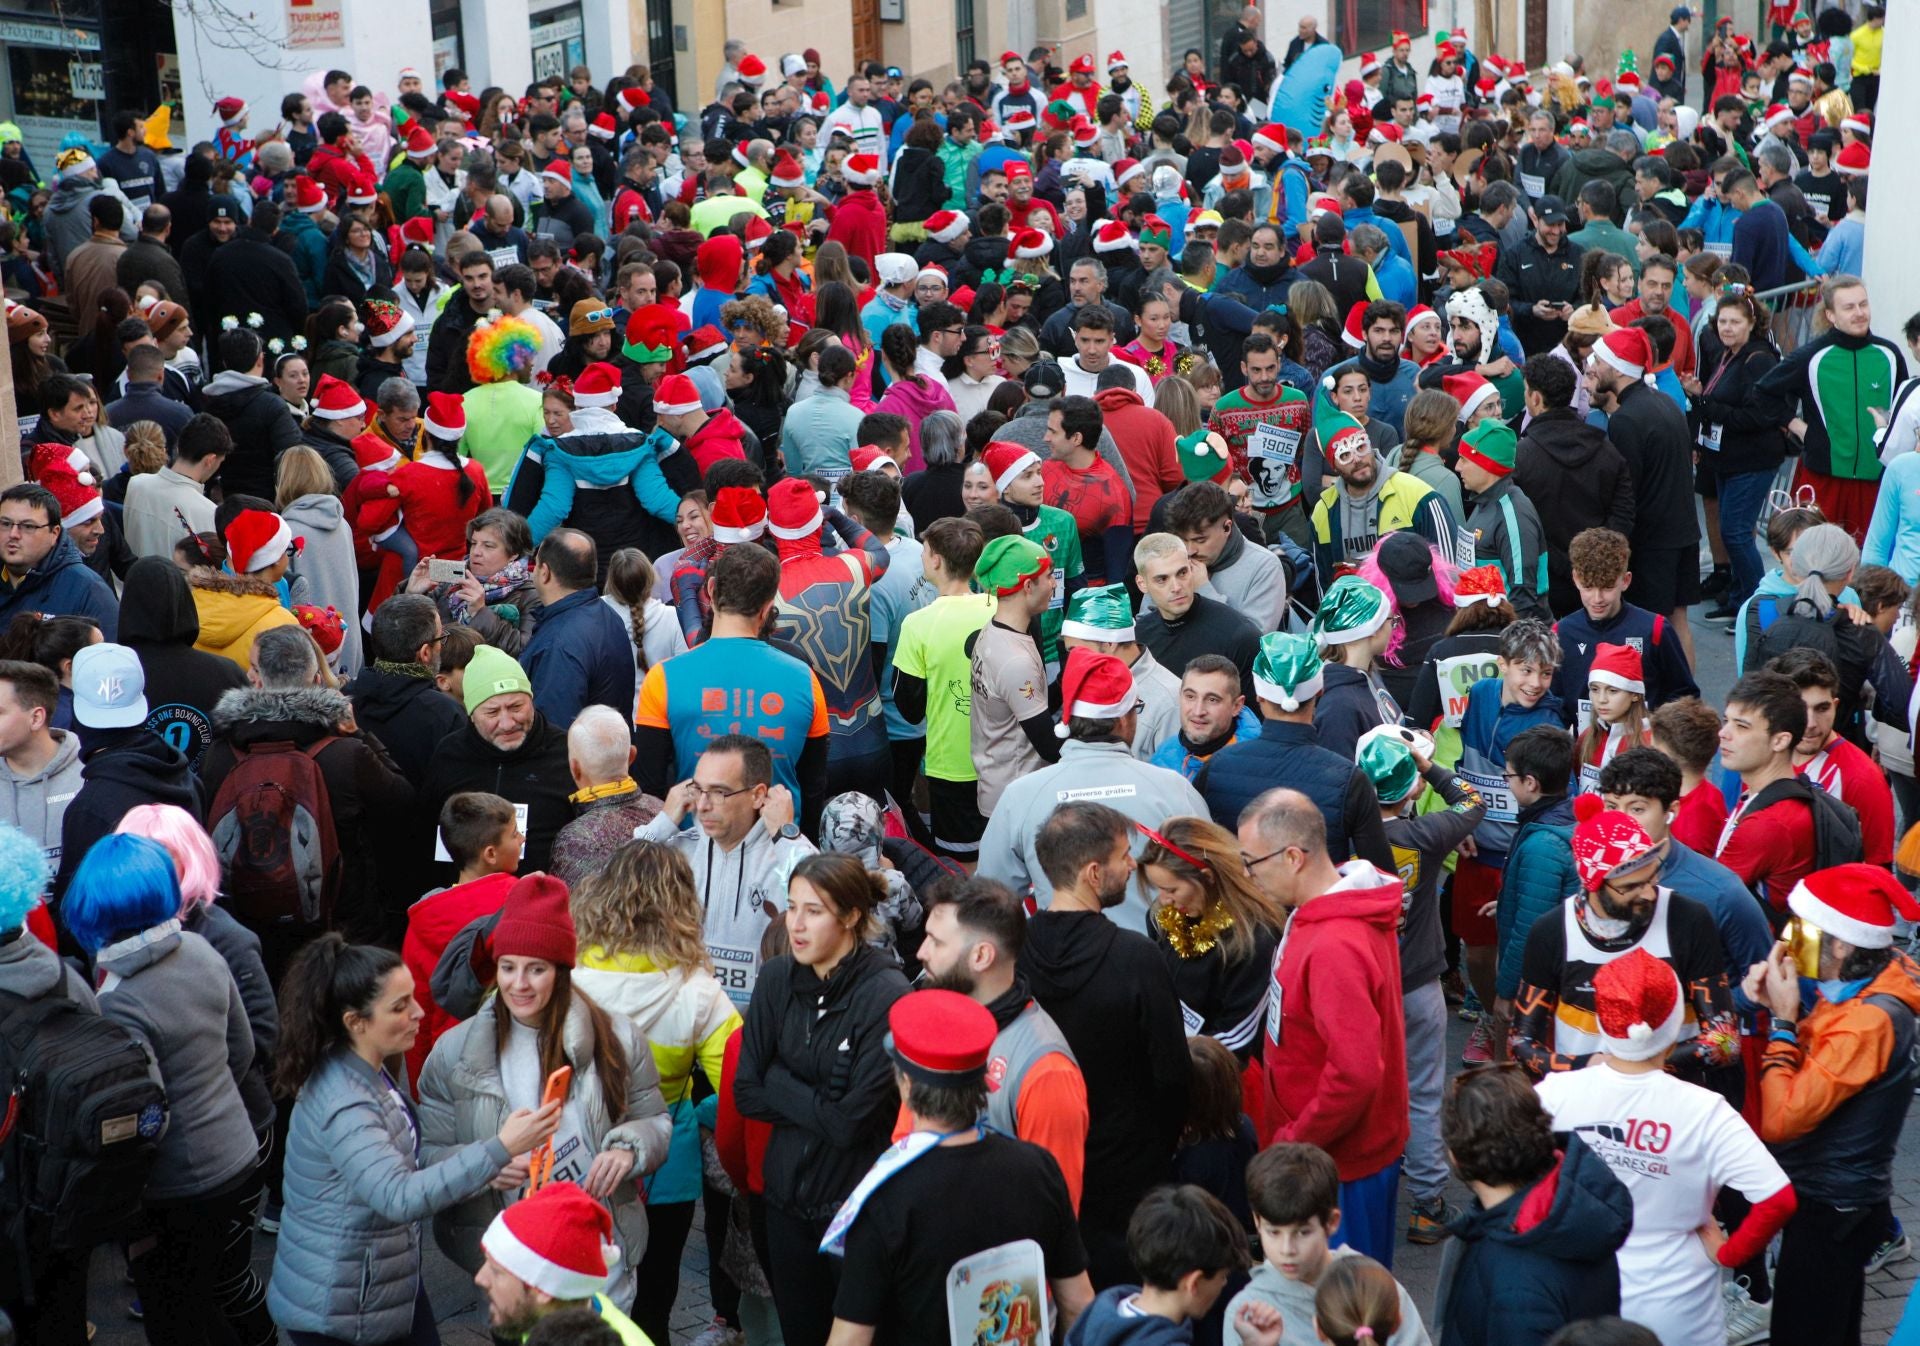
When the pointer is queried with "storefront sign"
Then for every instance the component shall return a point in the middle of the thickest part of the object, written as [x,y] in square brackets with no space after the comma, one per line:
[558,43]
[48,35]
[314,23]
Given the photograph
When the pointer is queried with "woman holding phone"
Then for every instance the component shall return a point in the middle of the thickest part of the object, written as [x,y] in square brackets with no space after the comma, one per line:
[613,1128]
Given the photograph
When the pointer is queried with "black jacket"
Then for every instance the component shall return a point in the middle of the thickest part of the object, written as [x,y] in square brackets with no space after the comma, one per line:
[374,372]
[534,774]
[919,185]
[196,259]
[1576,480]
[1750,434]
[340,277]
[145,402]
[121,768]
[261,424]
[1111,994]
[250,275]
[447,347]
[146,259]
[1651,434]
[1531,274]
[934,493]
[1345,277]
[409,714]
[371,801]
[983,253]
[813,1061]
[160,624]
[1292,752]
[335,450]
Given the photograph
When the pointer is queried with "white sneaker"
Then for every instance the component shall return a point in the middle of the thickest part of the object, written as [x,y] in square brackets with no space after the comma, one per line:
[720,1334]
[1747,1322]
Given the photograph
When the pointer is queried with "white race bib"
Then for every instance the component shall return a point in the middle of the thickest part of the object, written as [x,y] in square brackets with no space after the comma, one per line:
[1533,184]
[999,1297]
[1495,794]
[1466,545]
[1275,444]
[1709,437]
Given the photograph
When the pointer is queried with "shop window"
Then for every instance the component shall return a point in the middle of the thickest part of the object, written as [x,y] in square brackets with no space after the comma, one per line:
[1368,25]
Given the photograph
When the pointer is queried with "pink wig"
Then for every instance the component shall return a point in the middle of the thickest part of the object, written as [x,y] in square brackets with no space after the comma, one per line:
[1443,578]
[189,845]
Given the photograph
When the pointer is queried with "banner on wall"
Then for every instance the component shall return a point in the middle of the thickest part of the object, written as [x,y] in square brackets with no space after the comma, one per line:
[314,23]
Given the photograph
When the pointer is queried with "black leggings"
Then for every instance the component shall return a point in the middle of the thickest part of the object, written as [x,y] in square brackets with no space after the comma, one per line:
[804,1281]
[657,1278]
[907,754]
[196,1263]
[1820,1281]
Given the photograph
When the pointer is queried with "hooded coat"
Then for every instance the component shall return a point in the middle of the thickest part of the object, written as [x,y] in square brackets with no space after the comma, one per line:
[859,224]
[68,221]
[610,482]
[405,709]
[1146,441]
[1576,480]
[328,566]
[233,610]
[62,585]
[717,264]
[162,627]
[121,768]
[261,424]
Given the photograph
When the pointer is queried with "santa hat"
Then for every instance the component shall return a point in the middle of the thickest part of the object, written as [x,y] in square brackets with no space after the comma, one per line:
[1777,114]
[467,104]
[739,515]
[408,72]
[1424,103]
[787,171]
[634,97]
[1126,170]
[1860,123]
[1469,390]
[740,154]
[1019,119]
[1855,903]
[757,232]
[417,233]
[604,126]
[50,455]
[1369,65]
[1618,666]
[752,71]
[937,271]
[1353,333]
[1288,671]
[1420,313]
[1031,243]
[870,458]
[1093,686]
[1606,841]
[387,322]
[1854,160]
[372,453]
[1271,137]
[1082,64]
[1627,350]
[256,538]
[362,190]
[230,111]
[1084,132]
[676,396]
[1627,80]
[1578,127]
[558,1241]
[1798,75]
[597,386]
[336,400]
[1007,460]
[420,142]
[1116,60]
[861,170]
[559,171]
[1384,132]
[1637,1002]
[446,416]
[793,509]
[1481,584]
[703,343]
[1112,236]
[1099,612]
[1485,86]
[1400,38]
[943,226]
[79,500]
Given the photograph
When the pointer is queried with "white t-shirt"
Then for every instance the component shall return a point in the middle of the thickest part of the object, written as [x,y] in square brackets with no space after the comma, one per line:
[1082,384]
[552,339]
[1674,1145]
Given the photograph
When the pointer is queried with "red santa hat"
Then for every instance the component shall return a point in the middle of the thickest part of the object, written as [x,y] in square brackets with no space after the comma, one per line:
[336,400]
[739,515]
[787,171]
[752,71]
[1093,686]
[1854,159]
[1082,64]
[362,190]
[1485,86]
[756,238]
[420,142]
[374,454]
[50,456]
[256,538]
[1125,170]
[703,343]
[561,171]
[1627,350]
[1777,115]
[1618,666]
[1855,903]
[604,126]
[387,322]
[308,197]
[1271,137]
[446,417]
[1116,60]
[676,396]
[1369,65]
[1424,103]
[467,104]
[1628,81]
[1019,119]
[1860,123]
[1031,243]
[80,501]
[1469,390]
[1798,75]
[868,458]
[1400,38]
[1382,132]
[1420,313]
[415,233]
[1637,1000]
[861,170]
[1606,841]
[597,386]
[1481,584]
[1112,236]
[1353,333]
[558,1241]
[230,111]
[1007,460]
[793,509]
[633,98]
[1084,132]
[943,226]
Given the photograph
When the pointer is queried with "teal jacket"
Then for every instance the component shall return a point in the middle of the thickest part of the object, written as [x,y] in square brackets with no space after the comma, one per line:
[309,249]
[1539,877]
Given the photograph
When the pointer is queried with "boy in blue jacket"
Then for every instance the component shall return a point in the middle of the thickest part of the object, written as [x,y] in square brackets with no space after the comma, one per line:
[1186,1245]
[1540,873]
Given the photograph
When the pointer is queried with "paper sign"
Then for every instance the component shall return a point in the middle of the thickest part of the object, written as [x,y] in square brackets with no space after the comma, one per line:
[999,1297]
[1457,676]
[1533,185]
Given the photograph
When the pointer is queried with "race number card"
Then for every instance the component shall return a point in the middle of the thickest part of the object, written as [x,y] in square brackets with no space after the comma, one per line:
[999,1297]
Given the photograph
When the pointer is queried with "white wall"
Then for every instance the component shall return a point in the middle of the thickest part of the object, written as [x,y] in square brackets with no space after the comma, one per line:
[1893,263]
[219,58]
[494,45]
[1138,28]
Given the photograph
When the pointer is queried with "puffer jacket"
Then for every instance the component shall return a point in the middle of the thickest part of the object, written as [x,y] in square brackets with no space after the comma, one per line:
[233,610]
[347,1261]
[1539,877]
[686,1018]
[62,585]
[604,479]
[239,949]
[462,1099]
[1285,751]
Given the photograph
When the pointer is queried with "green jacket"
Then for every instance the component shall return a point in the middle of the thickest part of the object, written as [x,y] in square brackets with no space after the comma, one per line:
[1506,532]
[406,189]
[955,161]
[1607,236]
[1834,381]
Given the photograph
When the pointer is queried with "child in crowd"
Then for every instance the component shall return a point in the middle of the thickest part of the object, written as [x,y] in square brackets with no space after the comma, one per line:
[1617,691]
[1783,530]
[1688,731]
[1540,869]
[1358,1301]
[1294,1190]
[456,652]
[1185,1244]
[1599,560]
[1219,1139]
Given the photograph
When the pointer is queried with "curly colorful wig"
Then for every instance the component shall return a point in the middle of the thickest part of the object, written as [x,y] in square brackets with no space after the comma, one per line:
[23,876]
[502,349]
[1443,577]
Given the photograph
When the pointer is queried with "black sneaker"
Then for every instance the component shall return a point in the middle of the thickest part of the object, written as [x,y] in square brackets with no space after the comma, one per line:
[1718,583]
[1723,611]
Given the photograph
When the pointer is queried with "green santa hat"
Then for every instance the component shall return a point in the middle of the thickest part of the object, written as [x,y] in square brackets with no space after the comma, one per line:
[1288,670]
[1490,446]
[1204,454]
[1334,427]
[1007,563]
[1352,609]
[1100,613]
[1385,753]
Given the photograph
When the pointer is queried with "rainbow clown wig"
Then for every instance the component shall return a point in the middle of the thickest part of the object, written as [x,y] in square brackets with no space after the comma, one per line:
[23,876]
[502,348]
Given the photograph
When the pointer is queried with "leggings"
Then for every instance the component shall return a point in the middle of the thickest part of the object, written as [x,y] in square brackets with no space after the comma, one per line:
[804,1281]
[657,1278]
[197,1257]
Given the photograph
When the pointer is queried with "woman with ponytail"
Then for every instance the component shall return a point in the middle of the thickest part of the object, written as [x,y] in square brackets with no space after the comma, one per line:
[347,1266]
[441,492]
[653,631]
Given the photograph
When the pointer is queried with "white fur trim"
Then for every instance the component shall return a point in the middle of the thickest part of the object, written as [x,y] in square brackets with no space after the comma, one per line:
[439,431]
[91,510]
[1610,679]
[675,408]
[1020,464]
[346,415]
[1480,394]
[1347,637]
[807,529]
[1621,363]
[1646,1041]
[731,536]
[606,399]
[1289,700]
[274,548]
[400,329]
[1082,631]
[1803,903]
[1095,710]
[537,1271]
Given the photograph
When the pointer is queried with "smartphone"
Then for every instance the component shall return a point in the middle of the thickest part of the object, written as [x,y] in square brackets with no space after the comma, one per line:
[446,572]
[557,1085]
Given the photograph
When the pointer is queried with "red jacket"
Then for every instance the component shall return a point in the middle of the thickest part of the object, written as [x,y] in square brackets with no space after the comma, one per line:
[1336,1056]
[334,170]
[1146,445]
[430,503]
[432,922]
[721,437]
[859,224]
[741,1144]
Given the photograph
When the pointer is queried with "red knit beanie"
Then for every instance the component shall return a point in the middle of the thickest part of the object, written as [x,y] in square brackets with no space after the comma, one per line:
[535,923]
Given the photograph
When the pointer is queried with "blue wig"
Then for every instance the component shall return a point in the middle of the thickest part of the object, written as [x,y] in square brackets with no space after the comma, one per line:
[125,884]
[23,876]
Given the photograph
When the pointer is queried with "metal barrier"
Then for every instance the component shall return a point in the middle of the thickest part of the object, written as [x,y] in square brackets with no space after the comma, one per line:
[1794,307]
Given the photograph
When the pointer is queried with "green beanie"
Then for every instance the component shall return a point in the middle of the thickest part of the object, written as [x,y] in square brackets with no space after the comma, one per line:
[1007,563]
[492,672]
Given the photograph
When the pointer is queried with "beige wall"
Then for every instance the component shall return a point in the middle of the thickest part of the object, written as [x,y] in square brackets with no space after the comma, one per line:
[772,30]
[1600,32]
[923,45]
[706,22]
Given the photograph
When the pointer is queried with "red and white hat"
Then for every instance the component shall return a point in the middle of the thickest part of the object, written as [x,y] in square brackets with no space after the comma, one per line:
[1093,686]
[1400,38]
[861,170]
[1116,60]
[1031,243]
[787,171]
[1382,132]
[1112,236]
[1369,65]
[739,515]
[1082,64]
[336,400]
[703,343]
[740,154]
[230,111]
[1469,390]
[1420,313]
[387,322]
[1019,119]
[1637,1001]
[943,226]
[1854,160]
[362,190]
[1618,666]
[1855,903]
[1353,333]
[375,454]
[1800,75]
[1606,841]
[870,458]
[420,142]
[757,232]
[597,386]
[604,126]
[1125,170]
[50,455]
[446,417]
[1860,123]
[634,97]
[1627,80]
[1481,584]
[1485,86]
[1424,103]
[793,509]
[256,538]
[1271,137]
[752,70]
[1777,114]
[558,1241]
[1084,132]
[676,396]
[308,197]
[1627,350]
[561,171]
[1007,460]
[80,501]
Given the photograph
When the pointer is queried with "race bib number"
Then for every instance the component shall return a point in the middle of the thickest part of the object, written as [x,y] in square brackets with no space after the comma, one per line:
[734,969]
[1710,437]
[1457,676]
[1274,444]
[1059,599]
[445,856]
[505,257]
[1192,1018]
[1533,184]
[1443,227]
[1466,546]
[999,1297]
[1721,249]
[1496,795]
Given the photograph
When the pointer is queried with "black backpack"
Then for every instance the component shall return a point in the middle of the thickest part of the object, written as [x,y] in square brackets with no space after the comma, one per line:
[1774,628]
[84,1112]
[1836,827]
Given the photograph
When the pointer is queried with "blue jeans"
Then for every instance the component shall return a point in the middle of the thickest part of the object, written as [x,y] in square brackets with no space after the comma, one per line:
[1741,498]
[1368,1209]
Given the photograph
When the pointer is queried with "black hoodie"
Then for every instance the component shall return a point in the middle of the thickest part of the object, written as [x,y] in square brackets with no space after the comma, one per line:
[983,253]
[121,768]
[1111,994]
[1576,480]
[160,624]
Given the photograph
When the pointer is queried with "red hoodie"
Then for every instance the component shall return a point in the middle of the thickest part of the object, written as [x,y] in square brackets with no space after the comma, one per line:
[859,224]
[1147,447]
[335,170]
[719,437]
[1336,1056]
[432,922]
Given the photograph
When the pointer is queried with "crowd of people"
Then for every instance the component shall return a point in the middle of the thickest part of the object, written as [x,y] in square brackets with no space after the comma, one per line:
[959,685]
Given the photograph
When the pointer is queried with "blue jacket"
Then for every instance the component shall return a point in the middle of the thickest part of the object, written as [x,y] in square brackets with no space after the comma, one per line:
[1893,538]
[62,586]
[1173,754]
[1346,710]
[580,656]
[1744,934]
[1396,278]
[584,479]
[1389,398]
[309,249]
[819,433]
[1396,241]
[1540,876]
[1485,730]
[1241,284]
[1667,673]
[1104,1324]
[1289,753]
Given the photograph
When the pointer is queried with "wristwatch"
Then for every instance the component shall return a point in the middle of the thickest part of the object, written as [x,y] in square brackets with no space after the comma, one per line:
[789,832]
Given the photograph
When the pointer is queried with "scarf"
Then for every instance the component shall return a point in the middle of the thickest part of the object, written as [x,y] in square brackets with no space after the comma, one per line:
[513,574]
[1379,371]
[608,790]
[1007,1007]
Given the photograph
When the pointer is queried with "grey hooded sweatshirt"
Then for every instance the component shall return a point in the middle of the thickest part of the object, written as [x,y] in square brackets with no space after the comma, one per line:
[35,803]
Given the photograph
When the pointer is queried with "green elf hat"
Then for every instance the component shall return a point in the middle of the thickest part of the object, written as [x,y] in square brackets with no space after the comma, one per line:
[1157,232]
[1057,114]
[1490,447]
[1386,753]
[1288,670]
[1336,429]
[1099,613]
[1009,562]
[1204,454]
[1351,610]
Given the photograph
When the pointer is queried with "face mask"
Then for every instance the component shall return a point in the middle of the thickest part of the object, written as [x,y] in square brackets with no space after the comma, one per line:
[1830,990]
[1607,927]
[1803,945]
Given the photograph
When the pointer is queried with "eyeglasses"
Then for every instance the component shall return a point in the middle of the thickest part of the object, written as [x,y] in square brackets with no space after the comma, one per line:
[1251,862]
[24,527]
[714,792]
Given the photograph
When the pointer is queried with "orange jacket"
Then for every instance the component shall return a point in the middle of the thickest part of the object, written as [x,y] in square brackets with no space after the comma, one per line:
[1839,1050]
